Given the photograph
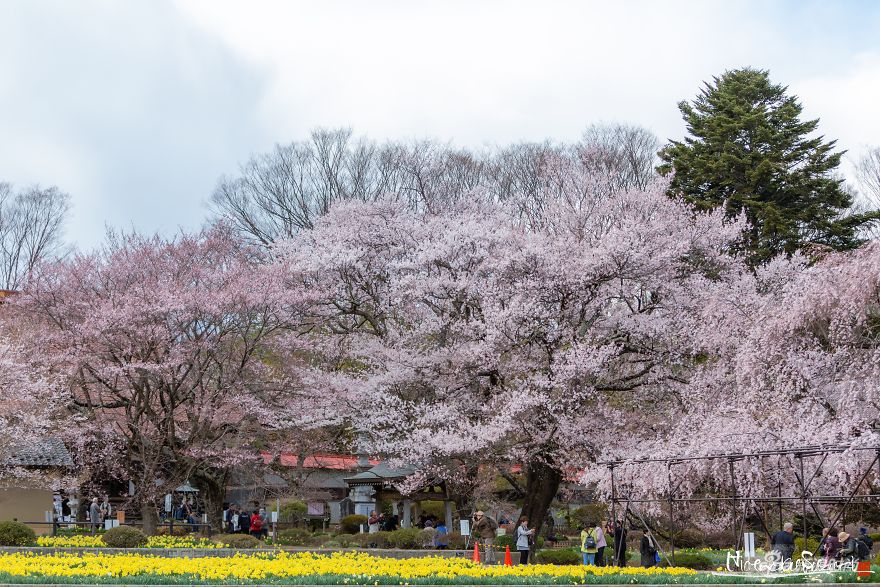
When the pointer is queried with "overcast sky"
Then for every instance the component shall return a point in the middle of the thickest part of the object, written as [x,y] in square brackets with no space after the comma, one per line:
[136,108]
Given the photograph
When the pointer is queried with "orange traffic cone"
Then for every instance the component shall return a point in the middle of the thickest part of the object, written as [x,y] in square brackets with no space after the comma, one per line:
[507,561]
[476,558]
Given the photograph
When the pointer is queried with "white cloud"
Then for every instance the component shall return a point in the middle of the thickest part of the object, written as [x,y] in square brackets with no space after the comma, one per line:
[138,108]
[847,102]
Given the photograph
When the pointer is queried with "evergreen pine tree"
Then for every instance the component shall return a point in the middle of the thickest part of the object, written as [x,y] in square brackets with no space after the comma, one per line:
[749,150]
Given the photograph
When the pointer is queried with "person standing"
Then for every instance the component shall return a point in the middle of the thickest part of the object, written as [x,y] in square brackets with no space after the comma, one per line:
[264,523]
[106,509]
[619,544]
[863,536]
[373,522]
[648,550]
[244,522]
[231,518]
[484,530]
[523,538]
[256,527]
[441,536]
[65,509]
[852,548]
[94,514]
[601,543]
[831,545]
[783,542]
[589,544]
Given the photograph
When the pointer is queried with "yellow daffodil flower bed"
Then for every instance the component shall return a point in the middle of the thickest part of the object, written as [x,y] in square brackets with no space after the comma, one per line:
[308,568]
[152,542]
[78,541]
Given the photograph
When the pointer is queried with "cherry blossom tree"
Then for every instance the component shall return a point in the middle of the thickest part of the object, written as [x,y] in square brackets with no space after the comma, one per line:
[158,346]
[536,333]
[27,403]
[790,358]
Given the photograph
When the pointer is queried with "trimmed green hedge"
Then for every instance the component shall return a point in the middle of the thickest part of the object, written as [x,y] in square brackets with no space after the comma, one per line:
[243,541]
[295,537]
[352,524]
[16,534]
[698,562]
[124,537]
[559,556]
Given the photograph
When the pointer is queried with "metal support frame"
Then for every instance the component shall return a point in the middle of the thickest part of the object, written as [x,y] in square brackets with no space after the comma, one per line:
[796,460]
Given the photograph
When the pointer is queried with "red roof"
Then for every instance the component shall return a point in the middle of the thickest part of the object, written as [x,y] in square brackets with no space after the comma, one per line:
[334,462]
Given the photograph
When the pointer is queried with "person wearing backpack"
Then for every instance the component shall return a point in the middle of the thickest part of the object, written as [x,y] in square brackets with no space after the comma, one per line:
[589,544]
[863,536]
[853,548]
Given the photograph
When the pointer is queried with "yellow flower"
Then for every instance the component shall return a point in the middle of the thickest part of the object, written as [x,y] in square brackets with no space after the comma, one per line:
[281,565]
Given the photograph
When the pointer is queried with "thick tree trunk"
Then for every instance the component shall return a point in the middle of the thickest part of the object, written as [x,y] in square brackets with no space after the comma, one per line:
[149,517]
[212,490]
[542,484]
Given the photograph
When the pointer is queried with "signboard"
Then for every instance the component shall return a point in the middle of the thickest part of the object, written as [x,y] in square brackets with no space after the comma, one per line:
[465,526]
[749,544]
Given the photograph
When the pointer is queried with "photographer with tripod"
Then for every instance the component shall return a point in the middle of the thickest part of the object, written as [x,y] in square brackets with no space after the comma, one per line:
[484,531]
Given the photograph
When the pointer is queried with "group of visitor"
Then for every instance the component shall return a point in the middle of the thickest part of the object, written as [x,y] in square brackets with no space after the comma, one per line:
[595,539]
[186,511]
[379,522]
[95,514]
[841,545]
[99,512]
[238,520]
[834,545]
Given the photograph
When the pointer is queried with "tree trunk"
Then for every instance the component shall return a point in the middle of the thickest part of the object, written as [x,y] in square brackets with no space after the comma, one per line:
[149,517]
[542,484]
[212,490]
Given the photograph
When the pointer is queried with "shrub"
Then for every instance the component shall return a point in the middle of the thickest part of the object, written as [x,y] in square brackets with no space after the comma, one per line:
[457,541]
[352,524]
[75,531]
[359,540]
[426,538]
[559,556]
[179,530]
[295,537]
[404,538]
[16,534]
[239,541]
[506,540]
[293,511]
[125,537]
[799,546]
[380,539]
[698,562]
[592,513]
[688,538]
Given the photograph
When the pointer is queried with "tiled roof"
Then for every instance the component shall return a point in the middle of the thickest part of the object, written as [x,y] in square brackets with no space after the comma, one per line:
[38,452]
[334,462]
[381,473]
